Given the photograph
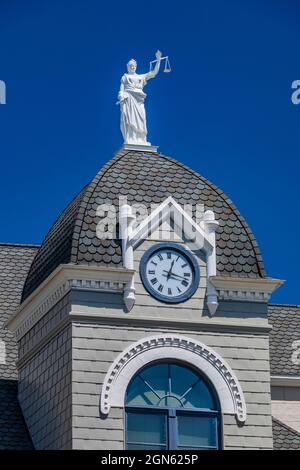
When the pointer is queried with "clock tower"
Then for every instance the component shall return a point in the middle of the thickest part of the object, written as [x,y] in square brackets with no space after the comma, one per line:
[152,334]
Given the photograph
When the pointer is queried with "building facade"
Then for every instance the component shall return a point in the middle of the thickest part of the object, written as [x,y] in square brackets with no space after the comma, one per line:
[158,337]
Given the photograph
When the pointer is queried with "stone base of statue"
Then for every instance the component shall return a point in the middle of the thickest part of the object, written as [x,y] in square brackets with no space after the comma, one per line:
[141,148]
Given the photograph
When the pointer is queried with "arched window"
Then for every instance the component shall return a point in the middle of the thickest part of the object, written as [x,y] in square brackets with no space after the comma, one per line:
[171,406]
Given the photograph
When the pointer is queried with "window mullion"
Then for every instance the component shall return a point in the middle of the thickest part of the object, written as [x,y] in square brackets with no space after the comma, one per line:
[172,429]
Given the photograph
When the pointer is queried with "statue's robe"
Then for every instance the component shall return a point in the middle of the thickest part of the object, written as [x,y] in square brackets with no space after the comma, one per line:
[133,115]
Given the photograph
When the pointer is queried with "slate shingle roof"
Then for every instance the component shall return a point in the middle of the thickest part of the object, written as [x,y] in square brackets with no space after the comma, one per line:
[146,178]
[15,261]
[13,431]
[285,321]
[284,437]
[56,248]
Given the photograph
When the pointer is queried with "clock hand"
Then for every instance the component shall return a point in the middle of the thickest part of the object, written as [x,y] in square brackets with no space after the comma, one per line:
[173,274]
[169,273]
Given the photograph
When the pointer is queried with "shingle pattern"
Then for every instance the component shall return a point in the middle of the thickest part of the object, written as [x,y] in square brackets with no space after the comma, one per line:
[15,261]
[284,339]
[284,437]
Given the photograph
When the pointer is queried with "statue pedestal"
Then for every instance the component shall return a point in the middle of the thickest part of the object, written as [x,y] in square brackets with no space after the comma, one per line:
[140,148]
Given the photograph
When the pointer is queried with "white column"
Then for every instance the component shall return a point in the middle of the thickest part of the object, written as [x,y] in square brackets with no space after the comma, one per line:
[210,227]
[126,222]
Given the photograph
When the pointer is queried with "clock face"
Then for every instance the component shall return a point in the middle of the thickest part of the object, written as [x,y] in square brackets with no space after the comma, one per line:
[169,273]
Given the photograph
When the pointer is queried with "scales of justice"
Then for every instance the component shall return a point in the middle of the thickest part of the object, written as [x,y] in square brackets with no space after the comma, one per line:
[131,99]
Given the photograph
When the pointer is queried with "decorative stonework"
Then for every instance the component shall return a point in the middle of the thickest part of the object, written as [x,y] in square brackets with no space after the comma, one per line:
[177,347]
[243,295]
[245,289]
[92,284]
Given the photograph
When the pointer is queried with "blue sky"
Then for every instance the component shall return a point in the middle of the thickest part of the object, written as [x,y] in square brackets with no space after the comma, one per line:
[225,110]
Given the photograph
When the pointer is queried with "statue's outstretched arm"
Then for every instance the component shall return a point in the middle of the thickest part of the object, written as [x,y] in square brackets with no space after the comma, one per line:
[155,71]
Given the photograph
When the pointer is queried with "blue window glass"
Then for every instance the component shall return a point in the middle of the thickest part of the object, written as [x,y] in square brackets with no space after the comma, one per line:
[146,429]
[197,432]
[149,386]
[171,406]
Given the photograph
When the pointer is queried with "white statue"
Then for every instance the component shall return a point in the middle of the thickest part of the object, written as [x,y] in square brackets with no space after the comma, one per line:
[131,99]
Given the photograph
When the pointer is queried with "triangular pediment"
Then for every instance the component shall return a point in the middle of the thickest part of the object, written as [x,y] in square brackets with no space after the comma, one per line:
[169,212]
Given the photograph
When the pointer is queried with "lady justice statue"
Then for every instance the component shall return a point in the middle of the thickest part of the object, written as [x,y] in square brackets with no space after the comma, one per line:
[131,100]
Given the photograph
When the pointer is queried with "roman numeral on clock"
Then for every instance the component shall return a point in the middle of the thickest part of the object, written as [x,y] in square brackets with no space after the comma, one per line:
[160,288]
[151,272]
[160,256]
[154,281]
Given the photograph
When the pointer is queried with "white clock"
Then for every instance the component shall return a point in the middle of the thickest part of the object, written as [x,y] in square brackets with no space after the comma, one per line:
[169,272]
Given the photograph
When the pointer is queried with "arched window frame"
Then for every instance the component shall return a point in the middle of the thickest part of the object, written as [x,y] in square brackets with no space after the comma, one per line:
[182,348]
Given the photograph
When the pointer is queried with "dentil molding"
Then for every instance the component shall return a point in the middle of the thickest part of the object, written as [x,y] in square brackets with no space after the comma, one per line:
[180,348]
[245,289]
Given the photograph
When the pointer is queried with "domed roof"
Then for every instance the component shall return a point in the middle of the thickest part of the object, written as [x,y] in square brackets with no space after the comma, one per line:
[144,177]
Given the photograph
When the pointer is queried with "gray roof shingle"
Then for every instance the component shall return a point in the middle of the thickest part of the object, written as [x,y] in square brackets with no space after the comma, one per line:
[285,321]
[15,261]
[284,437]
[13,430]
[144,178]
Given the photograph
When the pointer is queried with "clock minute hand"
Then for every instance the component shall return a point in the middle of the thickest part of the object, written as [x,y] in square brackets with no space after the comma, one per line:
[177,275]
[170,271]
[174,274]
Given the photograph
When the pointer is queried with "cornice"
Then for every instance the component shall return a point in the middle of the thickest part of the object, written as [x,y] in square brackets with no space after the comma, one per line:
[58,284]
[214,324]
[245,289]
[285,381]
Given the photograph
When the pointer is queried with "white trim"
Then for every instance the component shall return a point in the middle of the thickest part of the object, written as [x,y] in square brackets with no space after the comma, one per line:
[126,222]
[173,347]
[203,236]
[169,208]
[245,289]
[285,381]
[140,148]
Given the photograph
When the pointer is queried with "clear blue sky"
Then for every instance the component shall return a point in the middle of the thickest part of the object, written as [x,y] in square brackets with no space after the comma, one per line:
[225,110]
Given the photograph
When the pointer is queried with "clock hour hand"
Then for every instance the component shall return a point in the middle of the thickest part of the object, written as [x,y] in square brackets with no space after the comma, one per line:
[173,274]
